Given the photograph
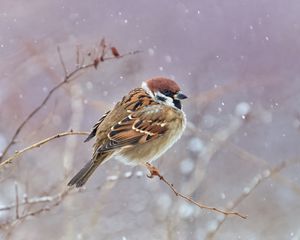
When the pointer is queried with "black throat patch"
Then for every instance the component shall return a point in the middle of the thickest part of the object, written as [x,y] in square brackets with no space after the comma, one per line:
[177,103]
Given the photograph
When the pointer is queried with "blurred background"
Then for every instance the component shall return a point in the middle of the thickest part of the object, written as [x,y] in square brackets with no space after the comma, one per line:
[238,61]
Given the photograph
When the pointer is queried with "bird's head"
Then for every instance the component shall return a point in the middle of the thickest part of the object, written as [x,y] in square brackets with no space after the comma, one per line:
[164,91]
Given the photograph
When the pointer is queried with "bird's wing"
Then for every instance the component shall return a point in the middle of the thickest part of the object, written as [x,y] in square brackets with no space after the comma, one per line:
[95,127]
[138,127]
[134,101]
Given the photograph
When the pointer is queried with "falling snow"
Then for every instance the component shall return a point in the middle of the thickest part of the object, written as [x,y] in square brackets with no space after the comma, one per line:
[195,145]
[187,166]
[242,109]
[151,51]
[238,65]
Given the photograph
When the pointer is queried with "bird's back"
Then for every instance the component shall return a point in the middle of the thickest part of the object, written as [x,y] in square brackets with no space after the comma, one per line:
[136,100]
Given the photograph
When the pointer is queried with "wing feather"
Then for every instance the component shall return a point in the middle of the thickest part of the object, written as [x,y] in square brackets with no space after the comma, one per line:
[95,127]
[138,127]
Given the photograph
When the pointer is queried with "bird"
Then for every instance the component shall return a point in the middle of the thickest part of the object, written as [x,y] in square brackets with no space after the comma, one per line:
[139,128]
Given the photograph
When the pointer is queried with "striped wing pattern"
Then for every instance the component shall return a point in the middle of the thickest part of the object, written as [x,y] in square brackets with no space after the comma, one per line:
[137,128]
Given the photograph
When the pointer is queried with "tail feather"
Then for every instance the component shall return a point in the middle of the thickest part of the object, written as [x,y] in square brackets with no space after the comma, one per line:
[84,174]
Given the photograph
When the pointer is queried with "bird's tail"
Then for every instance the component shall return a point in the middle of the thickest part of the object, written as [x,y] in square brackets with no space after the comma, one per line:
[84,174]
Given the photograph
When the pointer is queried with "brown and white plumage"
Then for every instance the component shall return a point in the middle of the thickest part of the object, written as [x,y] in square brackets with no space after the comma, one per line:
[141,127]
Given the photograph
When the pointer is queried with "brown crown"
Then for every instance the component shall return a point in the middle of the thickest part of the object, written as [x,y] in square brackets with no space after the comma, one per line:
[160,84]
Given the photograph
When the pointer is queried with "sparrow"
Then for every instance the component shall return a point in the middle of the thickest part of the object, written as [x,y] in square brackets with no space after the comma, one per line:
[139,129]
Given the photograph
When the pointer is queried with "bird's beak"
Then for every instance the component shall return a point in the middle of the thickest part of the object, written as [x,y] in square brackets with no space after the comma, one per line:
[179,96]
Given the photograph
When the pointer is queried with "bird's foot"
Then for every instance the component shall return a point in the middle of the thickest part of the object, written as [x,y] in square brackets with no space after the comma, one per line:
[153,170]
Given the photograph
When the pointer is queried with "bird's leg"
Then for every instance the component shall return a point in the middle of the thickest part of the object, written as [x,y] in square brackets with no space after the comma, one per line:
[153,170]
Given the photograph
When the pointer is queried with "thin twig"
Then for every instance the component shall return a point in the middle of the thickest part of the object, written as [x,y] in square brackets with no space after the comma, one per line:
[17,200]
[155,172]
[38,144]
[29,201]
[67,78]
[77,55]
[200,205]
[103,47]
[52,200]
[62,62]
[59,198]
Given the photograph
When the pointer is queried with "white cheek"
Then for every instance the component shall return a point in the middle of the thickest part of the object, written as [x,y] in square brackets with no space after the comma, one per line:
[168,101]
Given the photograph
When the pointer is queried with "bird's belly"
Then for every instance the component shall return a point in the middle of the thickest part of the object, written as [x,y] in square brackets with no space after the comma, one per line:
[152,150]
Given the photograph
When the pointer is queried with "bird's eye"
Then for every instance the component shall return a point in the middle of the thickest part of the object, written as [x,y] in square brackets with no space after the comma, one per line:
[167,93]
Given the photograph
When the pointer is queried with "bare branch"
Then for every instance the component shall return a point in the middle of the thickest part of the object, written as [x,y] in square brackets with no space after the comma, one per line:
[51,198]
[200,205]
[155,172]
[56,201]
[67,78]
[38,144]
[29,201]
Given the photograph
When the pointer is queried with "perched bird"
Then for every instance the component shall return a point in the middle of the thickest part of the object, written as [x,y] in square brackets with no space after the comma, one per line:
[139,129]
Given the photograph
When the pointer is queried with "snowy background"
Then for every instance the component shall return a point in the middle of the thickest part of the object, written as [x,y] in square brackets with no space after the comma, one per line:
[238,61]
